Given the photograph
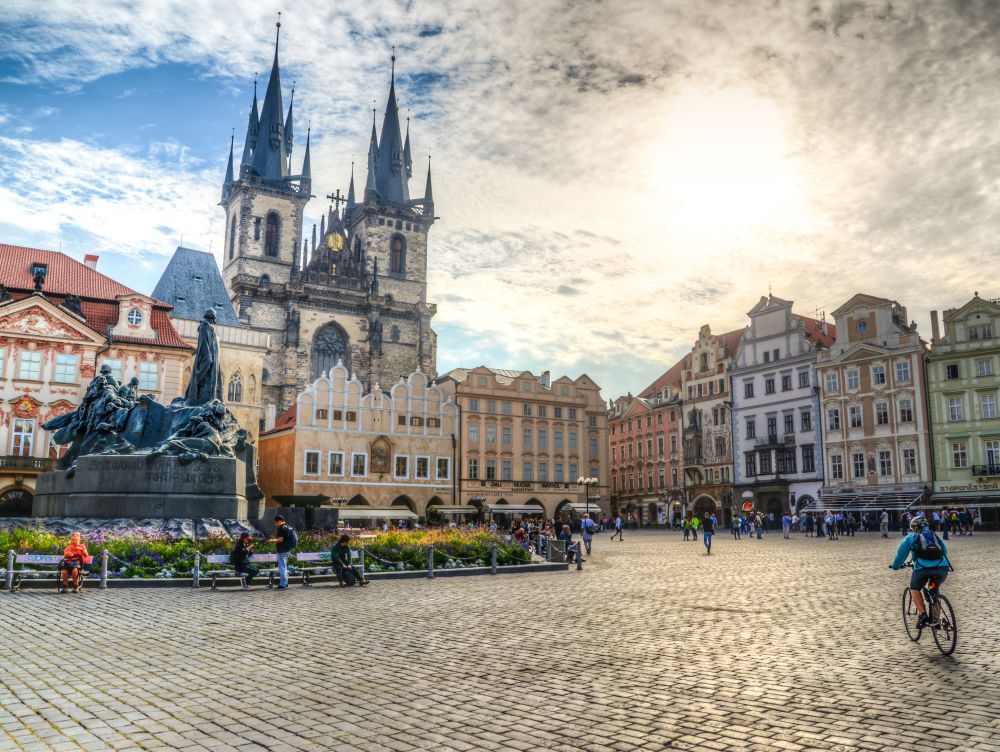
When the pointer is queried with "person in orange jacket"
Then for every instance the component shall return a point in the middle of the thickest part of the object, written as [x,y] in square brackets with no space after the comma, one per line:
[74,557]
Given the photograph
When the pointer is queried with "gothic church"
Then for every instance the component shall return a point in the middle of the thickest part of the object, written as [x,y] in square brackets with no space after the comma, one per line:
[358,293]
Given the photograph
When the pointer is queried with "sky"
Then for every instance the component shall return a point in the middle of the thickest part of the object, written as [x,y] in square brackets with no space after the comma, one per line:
[609,175]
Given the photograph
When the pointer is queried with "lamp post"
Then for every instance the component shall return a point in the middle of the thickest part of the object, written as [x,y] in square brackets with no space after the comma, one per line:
[587,483]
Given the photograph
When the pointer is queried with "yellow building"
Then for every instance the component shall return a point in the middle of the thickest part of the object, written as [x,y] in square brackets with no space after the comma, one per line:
[526,440]
[364,452]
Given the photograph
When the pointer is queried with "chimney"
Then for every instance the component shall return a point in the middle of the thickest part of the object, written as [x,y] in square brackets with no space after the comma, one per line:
[270,413]
[90,260]
[935,327]
[545,379]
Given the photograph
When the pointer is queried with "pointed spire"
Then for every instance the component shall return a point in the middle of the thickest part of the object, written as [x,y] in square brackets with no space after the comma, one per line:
[350,189]
[306,164]
[253,126]
[428,193]
[288,123]
[390,178]
[332,217]
[322,229]
[407,159]
[372,159]
[314,236]
[229,166]
[305,252]
[270,155]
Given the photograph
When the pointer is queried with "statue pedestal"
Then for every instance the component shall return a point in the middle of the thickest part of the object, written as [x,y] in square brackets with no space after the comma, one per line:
[138,486]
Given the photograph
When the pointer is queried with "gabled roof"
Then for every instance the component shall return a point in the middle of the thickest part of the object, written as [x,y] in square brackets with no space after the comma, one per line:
[964,310]
[872,301]
[286,419]
[671,378]
[814,331]
[192,284]
[730,341]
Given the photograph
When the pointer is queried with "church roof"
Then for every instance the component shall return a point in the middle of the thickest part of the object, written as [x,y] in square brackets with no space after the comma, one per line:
[192,284]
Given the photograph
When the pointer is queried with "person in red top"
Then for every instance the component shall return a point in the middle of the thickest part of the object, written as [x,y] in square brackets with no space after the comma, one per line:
[74,557]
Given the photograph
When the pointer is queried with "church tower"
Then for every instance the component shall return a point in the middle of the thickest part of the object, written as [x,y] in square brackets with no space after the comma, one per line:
[356,291]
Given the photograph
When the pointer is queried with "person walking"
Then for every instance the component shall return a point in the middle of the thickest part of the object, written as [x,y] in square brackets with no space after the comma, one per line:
[759,524]
[786,525]
[695,524]
[737,524]
[285,540]
[618,528]
[708,527]
[883,524]
[686,525]
[587,527]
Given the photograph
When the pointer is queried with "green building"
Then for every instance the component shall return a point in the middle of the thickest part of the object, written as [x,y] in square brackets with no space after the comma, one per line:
[963,380]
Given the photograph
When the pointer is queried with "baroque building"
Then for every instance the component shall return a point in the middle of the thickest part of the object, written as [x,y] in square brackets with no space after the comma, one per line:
[357,293]
[777,441]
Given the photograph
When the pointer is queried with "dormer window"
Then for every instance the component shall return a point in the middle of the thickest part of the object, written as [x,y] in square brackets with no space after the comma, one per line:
[37,267]
[134,317]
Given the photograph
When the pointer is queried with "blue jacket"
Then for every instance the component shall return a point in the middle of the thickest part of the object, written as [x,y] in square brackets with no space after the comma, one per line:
[906,549]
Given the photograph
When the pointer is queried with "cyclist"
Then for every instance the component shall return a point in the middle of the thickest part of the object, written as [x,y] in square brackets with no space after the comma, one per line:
[930,563]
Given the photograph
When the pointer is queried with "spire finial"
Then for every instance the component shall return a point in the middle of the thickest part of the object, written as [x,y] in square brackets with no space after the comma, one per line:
[393,74]
[277,34]
[254,85]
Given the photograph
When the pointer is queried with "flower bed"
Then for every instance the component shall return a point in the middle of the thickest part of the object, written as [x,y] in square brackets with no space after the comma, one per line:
[142,553]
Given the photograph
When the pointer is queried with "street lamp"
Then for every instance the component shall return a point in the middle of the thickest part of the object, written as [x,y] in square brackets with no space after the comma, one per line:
[587,483]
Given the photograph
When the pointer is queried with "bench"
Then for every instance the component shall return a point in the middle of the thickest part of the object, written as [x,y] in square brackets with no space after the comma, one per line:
[40,560]
[308,573]
[228,573]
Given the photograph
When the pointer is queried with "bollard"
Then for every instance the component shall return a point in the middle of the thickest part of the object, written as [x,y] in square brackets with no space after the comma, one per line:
[538,545]
[196,571]
[548,549]
[9,584]
[104,570]
[493,560]
[361,562]
[430,563]
[579,557]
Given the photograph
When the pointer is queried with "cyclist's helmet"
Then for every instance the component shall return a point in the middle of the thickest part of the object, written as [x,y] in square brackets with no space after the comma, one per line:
[918,523]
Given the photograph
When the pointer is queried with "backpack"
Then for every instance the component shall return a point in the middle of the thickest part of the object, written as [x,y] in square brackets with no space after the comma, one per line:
[292,539]
[926,546]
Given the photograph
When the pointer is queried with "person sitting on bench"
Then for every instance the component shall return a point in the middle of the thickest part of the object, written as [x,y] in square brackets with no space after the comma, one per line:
[239,557]
[340,557]
[74,557]
[572,549]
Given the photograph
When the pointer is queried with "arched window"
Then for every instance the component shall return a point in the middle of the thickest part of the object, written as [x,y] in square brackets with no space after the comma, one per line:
[395,334]
[235,393]
[329,345]
[397,255]
[265,280]
[271,233]
[232,238]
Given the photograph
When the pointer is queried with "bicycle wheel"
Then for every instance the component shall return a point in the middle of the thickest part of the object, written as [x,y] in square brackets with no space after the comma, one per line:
[910,616]
[946,631]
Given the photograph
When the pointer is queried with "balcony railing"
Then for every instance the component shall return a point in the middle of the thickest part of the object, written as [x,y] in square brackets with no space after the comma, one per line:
[986,470]
[17,462]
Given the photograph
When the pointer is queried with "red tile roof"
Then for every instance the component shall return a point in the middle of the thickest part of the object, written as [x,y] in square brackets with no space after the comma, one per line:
[671,378]
[286,419]
[814,331]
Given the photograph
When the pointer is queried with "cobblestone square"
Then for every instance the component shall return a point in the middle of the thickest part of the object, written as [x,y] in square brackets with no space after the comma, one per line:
[765,645]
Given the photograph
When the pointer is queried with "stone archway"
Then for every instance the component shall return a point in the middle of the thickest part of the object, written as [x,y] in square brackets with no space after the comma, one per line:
[705,505]
[16,502]
[404,501]
[358,501]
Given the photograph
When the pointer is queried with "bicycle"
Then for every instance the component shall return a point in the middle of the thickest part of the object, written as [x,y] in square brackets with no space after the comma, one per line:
[943,625]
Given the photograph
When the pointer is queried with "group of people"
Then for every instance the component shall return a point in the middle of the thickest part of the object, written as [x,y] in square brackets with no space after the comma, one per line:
[527,532]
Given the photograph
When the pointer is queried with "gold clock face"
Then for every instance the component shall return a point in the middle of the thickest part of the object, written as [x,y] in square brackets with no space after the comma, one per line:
[335,241]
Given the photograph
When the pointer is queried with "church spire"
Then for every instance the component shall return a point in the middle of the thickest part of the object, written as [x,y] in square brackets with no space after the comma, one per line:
[270,155]
[288,123]
[372,160]
[390,178]
[407,159]
[306,164]
[428,193]
[350,189]
[253,126]
[229,166]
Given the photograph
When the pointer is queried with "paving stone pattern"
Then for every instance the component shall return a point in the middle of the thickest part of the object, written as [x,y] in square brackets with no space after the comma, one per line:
[765,645]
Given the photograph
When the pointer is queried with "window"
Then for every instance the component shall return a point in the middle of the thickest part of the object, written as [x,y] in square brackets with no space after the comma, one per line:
[878,375]
[973,332]
[402,420]
[769,385]
[988,405]
[853,379]
[23,433]
[507,470]
[336,463]
[959,455]
[352,417]
[985,367]
[507,435]
[505,408]
[806,420]
[659,445]
[402,466]
[593,446]
[232,238]
[256,228]
[750,459]
[786,461]
[528,470]
[574,470]
[235,391]
[854,415]
[955,411]
[884,463]
[573,440]
[833,419]
[803,379]
[751,424]
[474,405]
[808,458]
[906,411]
[659,419]
[149,377]
[987,331]
[525,386]
[909,461]
[557,412]
[491,469]
[31,365]
[902,370]
[543,438]
[394,334]
[491,406]
[831,382]
[526,437]
[397,255]
[836,467]
[720,447]
[572,413]
[526,410]
[330,346]
[271,239]
[786,382]
[473,433]
[748,389]
[772,428]
[881,413]
[789,423]
[775,353]
[557,439]
[431,422]
[765,463]
[858,463]
[543,472]
[312,462]
[65,369]
[592,421]
[767,356]
[473,469]
[423,468]
[951,371]
[543,411]
[359,464]
[992,453]
[491,434]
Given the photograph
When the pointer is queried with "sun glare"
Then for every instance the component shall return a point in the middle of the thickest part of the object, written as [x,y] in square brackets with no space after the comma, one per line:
[723,163]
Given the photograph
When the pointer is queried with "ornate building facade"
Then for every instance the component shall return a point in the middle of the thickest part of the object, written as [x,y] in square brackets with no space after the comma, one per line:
[358,292]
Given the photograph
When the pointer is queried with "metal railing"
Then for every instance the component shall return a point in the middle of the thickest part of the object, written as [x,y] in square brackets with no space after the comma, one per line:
[986,469]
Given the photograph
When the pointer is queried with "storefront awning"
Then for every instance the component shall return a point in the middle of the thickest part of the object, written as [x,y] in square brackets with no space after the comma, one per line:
[515,509]
[446,509]
[376,513]
[584,509]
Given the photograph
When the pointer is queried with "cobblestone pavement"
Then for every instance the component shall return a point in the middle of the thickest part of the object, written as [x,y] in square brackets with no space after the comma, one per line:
[765,645]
